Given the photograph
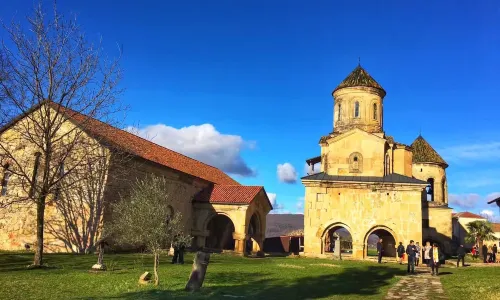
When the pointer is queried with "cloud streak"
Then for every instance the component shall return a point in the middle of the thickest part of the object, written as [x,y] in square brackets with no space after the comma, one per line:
[470,153]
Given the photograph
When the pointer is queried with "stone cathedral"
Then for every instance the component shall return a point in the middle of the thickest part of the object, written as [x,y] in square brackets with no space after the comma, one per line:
[371,184]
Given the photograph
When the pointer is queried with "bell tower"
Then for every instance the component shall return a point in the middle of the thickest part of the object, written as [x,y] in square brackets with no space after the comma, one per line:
[358,103]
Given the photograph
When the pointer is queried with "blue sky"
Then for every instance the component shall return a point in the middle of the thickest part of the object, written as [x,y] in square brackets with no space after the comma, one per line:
[259,75]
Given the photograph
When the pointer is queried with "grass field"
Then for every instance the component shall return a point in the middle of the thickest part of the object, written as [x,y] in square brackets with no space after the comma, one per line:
[227,276]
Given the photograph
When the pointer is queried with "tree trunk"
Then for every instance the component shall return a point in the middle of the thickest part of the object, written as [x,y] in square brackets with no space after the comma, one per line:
[40,218]
[197,277]
[157,261]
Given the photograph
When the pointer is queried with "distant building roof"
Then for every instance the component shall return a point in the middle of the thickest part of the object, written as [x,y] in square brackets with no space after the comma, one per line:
[284,224]
[495,227]
[424,153]
[359,77]
[467,214]
[391,178]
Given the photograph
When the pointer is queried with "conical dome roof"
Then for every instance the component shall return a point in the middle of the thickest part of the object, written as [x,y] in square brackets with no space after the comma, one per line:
[424,153]
[359,77]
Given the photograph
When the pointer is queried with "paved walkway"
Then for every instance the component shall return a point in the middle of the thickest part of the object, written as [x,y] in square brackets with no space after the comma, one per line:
[421,286]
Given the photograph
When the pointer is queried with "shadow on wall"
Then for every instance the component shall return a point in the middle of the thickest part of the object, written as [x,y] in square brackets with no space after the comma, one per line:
[253,286]
[444,242]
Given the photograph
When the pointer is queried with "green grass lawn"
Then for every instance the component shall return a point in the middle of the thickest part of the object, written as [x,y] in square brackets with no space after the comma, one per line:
[253,278]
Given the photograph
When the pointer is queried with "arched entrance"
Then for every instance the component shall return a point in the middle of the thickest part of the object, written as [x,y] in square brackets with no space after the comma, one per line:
[388,241]
[221,230]
[337,235]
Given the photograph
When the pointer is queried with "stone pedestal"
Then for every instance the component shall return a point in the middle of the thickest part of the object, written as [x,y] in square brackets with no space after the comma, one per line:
[337,254]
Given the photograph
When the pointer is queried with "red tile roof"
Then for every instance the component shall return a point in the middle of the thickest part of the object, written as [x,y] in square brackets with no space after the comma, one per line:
[495,227]
[138,146]
[467,214]
[229,194]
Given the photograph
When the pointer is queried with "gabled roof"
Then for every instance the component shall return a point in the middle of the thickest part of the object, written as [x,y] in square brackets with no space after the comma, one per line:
[229,194]
[359,77]
[135,145]
[424,153]
[391,178]
[466,214]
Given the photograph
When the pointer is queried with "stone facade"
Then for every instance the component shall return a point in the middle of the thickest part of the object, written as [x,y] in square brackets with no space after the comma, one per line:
[368,183]
[245,207]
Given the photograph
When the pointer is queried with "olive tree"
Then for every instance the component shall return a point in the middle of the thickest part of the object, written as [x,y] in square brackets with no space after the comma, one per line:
[146,218]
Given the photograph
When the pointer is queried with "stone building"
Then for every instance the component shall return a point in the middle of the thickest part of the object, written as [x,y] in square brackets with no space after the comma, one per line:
[217,211]
[371,184]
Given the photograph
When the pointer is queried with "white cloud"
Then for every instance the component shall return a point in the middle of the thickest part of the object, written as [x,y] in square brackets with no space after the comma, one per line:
[201,142]
[272,198]
[277,207]
[487,212]
[464,200]
[308,169]
[286,173]
[475,152]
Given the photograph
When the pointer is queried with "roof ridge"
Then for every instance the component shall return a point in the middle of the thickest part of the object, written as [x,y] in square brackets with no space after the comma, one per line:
[137,136]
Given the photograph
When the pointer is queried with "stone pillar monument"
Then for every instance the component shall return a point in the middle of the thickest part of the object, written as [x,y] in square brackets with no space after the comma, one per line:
[337,254]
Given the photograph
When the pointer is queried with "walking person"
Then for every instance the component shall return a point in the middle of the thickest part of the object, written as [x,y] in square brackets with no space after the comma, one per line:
[401,252]
[474,252]
[411,251]
[435,255]
[417,254]
[380,250]
[427,257]
[484,252]
[461,255]
[179,248]
[495,251]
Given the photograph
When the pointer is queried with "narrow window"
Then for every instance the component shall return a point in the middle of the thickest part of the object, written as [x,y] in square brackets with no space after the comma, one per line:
[57,193]
[430,189]
[339,112]
[374,111]
[355,164]
[35,174]
[387,165]
[5,180]
[356,109]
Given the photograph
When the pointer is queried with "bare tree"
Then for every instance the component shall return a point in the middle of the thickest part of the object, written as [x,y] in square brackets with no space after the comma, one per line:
[51,74]
[145,218]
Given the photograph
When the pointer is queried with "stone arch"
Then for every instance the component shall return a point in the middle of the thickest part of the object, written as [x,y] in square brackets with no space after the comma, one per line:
[355,162]
[327,243]
[389,240]
[220,232]
[255,231]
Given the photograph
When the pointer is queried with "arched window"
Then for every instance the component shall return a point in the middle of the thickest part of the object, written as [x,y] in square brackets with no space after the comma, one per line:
[5,180]
[374,111]
[355,163]
[430,189]
[356,109]
[339,112]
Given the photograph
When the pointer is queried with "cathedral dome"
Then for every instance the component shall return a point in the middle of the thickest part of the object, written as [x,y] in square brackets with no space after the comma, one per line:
[359,77]
[424,153]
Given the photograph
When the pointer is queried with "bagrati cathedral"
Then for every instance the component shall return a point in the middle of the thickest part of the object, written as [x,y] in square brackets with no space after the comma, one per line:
[371,184]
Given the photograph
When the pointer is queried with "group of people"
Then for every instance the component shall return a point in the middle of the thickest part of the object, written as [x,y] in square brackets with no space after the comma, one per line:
[489,253]
[432,256]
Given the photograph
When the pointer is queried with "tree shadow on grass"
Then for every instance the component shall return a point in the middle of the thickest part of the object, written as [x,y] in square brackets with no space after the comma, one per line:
[352,281]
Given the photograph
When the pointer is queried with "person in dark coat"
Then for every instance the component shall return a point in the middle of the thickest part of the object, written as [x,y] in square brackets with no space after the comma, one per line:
[495,249]
[436,255]
[411,251]
[484,252]
[401,252]
[461,255]
[178,252]
[380,251]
